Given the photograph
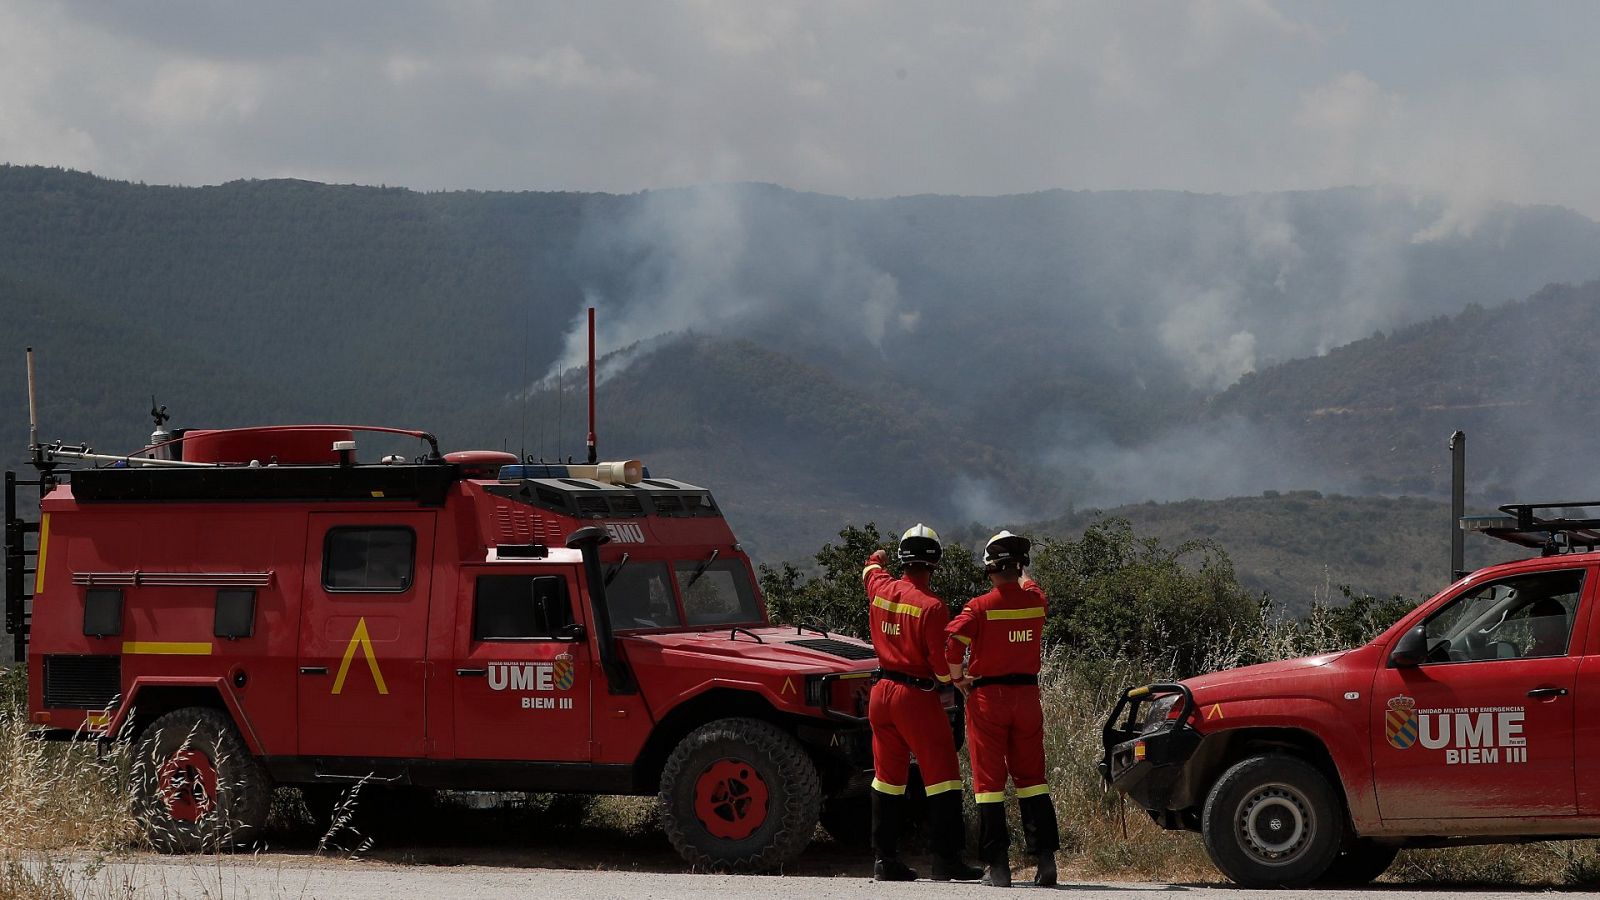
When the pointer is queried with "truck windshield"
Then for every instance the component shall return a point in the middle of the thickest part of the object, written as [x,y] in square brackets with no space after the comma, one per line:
[722,595]
[640,596]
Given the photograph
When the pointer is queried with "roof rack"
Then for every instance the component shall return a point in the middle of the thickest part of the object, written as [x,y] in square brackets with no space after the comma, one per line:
[1523,524]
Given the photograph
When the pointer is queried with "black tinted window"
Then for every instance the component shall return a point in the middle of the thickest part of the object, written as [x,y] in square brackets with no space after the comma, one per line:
[368,559]
[719,594]
[235,615]
[102,612]
[640,596]
[509,607]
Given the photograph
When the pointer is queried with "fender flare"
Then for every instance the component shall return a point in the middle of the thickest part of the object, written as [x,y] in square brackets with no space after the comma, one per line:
[230,702]
[1346,748]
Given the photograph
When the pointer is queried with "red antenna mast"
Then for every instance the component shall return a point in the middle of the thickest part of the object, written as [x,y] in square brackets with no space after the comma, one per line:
[593,456]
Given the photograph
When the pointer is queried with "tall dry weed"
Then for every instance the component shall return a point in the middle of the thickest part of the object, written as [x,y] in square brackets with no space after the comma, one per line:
[57,794]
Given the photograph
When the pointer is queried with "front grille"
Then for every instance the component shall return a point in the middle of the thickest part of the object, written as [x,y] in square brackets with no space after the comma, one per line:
[81,682]
[836,648]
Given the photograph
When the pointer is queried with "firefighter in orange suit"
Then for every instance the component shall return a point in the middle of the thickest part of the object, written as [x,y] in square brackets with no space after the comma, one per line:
[907,716]
[999,636]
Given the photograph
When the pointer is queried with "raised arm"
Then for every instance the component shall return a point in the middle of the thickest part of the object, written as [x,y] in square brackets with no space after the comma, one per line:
[875,576]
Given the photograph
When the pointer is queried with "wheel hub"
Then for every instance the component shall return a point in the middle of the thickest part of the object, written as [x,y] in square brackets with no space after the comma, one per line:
[730,799]
[1276,824]
[187,785]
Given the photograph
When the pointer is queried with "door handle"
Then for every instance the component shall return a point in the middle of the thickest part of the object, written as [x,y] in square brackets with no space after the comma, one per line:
[1545,692]
[313,670]
[467,673]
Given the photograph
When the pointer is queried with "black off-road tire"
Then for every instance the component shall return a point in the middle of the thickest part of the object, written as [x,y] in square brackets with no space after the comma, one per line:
[1273,821]
[181,808]
[848,820]
[721,768]
[1361,863]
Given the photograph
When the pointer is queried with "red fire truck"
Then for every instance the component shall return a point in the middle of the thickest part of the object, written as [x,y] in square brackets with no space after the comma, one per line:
[260,606]
[1467,722]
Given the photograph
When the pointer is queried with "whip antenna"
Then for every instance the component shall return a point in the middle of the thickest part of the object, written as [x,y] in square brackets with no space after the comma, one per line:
[33,408]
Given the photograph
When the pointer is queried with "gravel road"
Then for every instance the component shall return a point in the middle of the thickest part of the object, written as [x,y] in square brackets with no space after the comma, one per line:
[298,877]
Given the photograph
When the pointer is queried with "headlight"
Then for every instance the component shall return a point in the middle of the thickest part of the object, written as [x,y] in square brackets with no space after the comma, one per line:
[1159,709]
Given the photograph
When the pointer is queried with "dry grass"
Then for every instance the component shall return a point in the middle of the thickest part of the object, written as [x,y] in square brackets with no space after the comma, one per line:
[1099,834]
[56,794]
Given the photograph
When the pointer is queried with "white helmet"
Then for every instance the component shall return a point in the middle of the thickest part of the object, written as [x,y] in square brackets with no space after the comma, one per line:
[1006,551]
[920,546]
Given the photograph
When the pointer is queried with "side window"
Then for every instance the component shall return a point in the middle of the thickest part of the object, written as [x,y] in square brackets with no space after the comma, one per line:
[235,614]
[1522,617]
[520,607]
[718,594]
[369,558]
[639,595]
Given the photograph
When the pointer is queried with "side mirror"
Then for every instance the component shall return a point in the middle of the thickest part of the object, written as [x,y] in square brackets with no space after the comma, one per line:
[571,634]
[1410,650]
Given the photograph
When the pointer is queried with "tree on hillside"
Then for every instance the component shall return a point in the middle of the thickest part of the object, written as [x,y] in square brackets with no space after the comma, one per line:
[1115,595]
[833,599]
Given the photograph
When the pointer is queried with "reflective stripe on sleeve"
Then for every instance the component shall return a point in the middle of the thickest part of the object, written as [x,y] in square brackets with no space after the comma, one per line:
[885,603]
[990,797]
[1032,612]
[893,790]
[869,569]
[942,787]
[964,639]
[1033,791]
[943,679]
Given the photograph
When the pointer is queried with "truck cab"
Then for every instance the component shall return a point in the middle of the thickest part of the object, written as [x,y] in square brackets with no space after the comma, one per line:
[1467,721]
[255,607]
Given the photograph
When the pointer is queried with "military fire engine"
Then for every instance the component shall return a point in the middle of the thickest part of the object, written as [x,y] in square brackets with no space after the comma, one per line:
[260,606]
[1466,722]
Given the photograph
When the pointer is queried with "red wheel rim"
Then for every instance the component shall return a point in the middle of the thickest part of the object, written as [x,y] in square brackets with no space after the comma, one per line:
[187,784]
[730,799]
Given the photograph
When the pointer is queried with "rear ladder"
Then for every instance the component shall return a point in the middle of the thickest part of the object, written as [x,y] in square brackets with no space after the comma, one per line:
[18,556]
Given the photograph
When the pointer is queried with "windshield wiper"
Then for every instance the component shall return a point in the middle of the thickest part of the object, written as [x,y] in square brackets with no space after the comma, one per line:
[702,570]
[612,572]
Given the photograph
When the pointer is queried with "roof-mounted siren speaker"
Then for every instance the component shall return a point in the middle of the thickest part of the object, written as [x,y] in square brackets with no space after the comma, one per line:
[627,471]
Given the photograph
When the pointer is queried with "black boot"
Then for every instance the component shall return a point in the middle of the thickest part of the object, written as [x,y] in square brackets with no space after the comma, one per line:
[1040,835]
[947,834]
[892,870]
[1046,876]
[888,811]
[994,844]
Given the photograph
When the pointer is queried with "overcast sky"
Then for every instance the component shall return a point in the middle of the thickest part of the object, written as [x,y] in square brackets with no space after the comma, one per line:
[1487,101]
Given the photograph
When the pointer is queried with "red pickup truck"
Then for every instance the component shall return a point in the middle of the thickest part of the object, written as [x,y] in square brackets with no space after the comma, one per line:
[1463,723]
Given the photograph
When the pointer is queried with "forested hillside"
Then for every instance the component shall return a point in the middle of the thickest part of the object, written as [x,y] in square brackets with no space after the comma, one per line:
[1302,547]
[816,359]
[1516,377]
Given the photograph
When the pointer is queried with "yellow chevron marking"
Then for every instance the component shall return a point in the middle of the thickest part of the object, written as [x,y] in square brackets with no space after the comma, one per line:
[360,639]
